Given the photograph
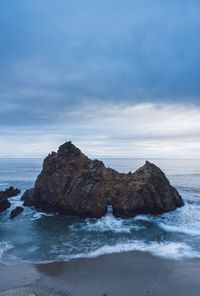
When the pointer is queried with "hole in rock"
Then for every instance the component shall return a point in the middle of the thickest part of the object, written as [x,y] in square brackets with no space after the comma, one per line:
[109,210]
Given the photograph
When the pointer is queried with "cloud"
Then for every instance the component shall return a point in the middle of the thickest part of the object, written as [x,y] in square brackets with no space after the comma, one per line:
[56,55]
[116,77]
[109,130]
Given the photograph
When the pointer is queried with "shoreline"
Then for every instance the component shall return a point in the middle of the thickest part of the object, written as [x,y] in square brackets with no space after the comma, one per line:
[129,273]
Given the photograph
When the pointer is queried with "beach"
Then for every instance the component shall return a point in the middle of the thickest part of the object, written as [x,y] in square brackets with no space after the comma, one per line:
[129,273]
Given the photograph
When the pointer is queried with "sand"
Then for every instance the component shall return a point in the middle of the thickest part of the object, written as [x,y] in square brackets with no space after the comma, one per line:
[124,274]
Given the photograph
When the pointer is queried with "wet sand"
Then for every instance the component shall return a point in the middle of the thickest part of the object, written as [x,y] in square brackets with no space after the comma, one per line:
[124,274]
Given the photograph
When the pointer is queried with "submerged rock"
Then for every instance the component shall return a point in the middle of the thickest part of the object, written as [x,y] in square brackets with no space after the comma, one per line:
[14,213]
[73,184]
[4,195]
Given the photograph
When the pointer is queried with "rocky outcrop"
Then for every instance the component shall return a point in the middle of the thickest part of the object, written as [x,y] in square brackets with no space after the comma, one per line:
[14,213]
[4,195]
[11,191]
[73,184]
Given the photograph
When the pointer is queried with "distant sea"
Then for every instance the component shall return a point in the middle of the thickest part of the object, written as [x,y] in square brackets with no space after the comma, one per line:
[38,237]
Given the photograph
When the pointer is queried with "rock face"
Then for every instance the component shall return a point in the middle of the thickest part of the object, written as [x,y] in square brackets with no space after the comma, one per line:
[4,195]
[14,213]
[73,184]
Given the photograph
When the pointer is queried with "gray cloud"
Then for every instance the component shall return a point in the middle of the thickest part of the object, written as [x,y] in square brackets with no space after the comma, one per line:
[60,57]
[141,130]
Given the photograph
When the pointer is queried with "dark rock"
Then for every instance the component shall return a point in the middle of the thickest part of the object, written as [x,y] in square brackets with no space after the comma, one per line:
[4,195]
[16,212]
[73,184]
[4,205]
[10,192]
[28,197]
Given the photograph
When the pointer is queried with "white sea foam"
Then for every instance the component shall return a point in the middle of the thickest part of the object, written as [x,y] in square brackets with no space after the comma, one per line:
[143,218]
[4,247]
[39,215]
[184,220]
[180,229]
[16,203]
[166,250]
[170,250]
[108,223]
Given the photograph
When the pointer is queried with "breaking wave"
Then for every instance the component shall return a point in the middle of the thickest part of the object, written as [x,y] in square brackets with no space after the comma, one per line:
[170,250]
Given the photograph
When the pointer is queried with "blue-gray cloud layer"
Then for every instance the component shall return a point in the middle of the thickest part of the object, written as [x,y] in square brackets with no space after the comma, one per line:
[118,78]
[58,54]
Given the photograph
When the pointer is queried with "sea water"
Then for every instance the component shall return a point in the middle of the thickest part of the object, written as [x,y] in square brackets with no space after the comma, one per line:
[35,236]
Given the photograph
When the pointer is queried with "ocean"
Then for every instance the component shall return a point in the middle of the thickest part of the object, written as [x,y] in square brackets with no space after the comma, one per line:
[38,237]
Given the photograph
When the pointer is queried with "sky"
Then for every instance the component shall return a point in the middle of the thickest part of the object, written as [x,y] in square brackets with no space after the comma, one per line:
[117,78]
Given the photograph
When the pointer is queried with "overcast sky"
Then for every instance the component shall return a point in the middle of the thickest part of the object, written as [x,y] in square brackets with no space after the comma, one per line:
[118,78]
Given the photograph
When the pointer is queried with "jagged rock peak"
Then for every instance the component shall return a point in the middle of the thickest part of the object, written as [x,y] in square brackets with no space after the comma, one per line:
[68,149]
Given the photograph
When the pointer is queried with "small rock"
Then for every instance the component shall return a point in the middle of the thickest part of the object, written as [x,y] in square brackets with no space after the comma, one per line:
[11,191]
[4,195]
[16,212]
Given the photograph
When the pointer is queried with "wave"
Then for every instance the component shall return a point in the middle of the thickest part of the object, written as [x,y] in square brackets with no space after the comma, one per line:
[105,224]
[4,247]
[184,220]
[39,215]
[180,229]
[168,250]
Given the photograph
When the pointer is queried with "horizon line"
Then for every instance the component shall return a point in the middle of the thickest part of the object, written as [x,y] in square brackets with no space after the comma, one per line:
[103,157]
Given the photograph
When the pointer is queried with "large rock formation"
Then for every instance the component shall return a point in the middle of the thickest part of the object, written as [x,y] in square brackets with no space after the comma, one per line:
[4,195]
[73,184]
